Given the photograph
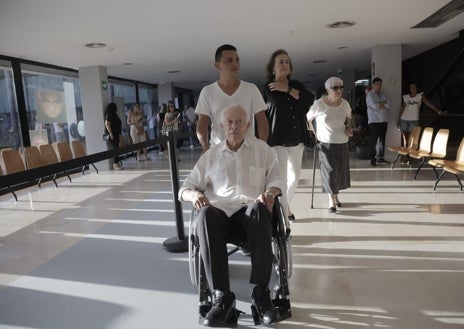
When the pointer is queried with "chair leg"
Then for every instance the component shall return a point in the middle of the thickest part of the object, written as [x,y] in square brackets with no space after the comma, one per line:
[14,194]
[419,168]
[54,180]
[459,181]
[435,171]
[438,179]
[393,163]
[94,168]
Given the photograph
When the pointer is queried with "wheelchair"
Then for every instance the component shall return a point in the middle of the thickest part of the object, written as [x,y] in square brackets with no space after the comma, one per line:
[282,265]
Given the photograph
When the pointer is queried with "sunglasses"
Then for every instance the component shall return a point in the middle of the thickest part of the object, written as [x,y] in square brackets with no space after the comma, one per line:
[336,88]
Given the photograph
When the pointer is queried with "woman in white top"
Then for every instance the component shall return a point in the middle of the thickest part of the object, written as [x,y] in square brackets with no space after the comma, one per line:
[137,130]
[409,114]
[333,128]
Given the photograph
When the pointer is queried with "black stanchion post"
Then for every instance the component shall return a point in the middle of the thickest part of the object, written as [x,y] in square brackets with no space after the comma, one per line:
[178,243]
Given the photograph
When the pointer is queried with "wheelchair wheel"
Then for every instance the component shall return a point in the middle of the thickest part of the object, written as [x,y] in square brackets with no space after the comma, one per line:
[282,234]
[196,269]
[194,251]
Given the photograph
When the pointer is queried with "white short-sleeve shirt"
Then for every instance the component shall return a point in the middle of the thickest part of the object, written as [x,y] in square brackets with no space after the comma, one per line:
[330,121]
[230,179]
[213,101]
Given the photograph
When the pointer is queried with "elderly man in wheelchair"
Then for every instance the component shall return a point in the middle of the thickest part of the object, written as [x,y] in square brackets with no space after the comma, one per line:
[233,188]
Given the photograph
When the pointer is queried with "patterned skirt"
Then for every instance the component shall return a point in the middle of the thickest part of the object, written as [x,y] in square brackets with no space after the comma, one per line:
[335,167]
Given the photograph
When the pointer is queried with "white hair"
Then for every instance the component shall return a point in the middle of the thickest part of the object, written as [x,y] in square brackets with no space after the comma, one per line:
[333,81]
[236,106]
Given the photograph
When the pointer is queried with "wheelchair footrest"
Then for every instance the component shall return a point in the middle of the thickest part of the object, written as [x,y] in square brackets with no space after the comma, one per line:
[285,309]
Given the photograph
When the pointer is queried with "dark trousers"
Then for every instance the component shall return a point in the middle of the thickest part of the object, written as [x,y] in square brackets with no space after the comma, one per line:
[115,145]
[377,134]
[252,225]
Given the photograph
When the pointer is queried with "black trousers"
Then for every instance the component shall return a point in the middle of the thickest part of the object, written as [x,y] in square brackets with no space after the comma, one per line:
[252,225]
[115,145]
[377,133]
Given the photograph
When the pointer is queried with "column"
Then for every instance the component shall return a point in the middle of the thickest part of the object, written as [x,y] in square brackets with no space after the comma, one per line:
[349,79]
[94,96]
[386,63]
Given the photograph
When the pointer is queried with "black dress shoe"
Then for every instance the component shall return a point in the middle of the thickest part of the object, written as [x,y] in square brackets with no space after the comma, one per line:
[262,308]
[333,209]
[291,217]
[339,204]
[223,310]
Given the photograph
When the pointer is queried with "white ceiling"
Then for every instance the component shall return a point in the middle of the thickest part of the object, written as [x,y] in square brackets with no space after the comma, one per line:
[158,36]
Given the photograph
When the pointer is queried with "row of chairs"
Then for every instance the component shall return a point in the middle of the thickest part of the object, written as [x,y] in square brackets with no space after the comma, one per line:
[432,150]
[455,167]
[423,148]
[38,156]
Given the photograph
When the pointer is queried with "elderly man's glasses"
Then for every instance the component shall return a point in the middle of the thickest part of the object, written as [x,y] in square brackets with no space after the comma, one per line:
[337,88]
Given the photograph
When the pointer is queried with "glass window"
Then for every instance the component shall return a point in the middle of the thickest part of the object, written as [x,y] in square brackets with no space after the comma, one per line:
[10,134]
[148,97]
[53,106]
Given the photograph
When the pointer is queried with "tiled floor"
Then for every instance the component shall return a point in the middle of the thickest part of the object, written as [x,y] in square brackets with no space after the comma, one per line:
[90,255]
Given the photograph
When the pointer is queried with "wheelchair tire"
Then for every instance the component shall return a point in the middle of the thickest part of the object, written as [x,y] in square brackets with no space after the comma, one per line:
[194,251]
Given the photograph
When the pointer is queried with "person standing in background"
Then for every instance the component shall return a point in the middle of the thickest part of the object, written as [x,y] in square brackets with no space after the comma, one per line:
[287,102]
[228,90]
[160,118]
[190,120]
[377,106]
[136,120]
[409,114]
[113,127]
[333,121]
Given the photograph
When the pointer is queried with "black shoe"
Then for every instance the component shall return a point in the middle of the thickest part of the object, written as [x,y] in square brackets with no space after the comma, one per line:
[382,161]
[339,204]
[245,250]
[373,163]
[223,310]
[333,209]
[262,308]
[291,217]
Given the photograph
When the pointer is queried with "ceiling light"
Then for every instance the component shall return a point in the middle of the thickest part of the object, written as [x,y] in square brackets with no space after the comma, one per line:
[342,47]
[96,45]
[173,71]
[319,61]
[341,24]
[128,63]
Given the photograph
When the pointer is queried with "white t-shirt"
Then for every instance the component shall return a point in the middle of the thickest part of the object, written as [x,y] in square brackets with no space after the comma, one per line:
[230,179]
[330,121]
[411,110]
[213,101]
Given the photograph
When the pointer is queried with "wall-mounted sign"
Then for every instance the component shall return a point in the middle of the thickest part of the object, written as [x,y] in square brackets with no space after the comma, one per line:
[104,85]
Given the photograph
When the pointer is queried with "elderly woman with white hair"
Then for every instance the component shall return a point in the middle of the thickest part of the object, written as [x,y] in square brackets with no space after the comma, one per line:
[332,115]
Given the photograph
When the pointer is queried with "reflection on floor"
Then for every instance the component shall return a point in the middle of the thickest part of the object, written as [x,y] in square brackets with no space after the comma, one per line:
[89,255]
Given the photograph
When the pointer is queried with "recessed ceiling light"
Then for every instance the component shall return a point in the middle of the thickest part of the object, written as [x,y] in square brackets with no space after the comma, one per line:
[319,61]
[342,47]
[128,63]
[174,71]
[96,45]
[341,24]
